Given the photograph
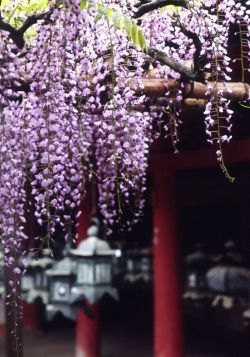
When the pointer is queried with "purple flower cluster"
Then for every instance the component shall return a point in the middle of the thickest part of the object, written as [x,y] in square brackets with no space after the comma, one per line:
[78,119]
[12,155]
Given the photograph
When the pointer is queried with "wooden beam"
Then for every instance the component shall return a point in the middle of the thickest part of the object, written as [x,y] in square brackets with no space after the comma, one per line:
[236,152]
[159,103]
[155,87]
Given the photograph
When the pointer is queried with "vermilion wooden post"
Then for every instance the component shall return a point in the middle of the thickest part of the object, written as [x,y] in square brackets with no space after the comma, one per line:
[2,319]
[2,330]
[88,334]
[30,316]
[168,334]
[87,329]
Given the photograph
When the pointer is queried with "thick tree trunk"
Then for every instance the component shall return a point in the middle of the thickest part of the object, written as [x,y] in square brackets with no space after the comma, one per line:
[14,323]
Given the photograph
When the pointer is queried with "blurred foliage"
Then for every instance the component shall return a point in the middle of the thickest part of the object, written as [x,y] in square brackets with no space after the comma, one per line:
[16,11]
[24,6]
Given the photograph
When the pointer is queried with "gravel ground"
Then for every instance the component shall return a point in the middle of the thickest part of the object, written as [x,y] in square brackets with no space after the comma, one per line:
[61,344]
[115,343]
[126,331]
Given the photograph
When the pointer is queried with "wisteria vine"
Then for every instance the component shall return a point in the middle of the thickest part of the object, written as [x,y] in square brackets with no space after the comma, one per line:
[69,114]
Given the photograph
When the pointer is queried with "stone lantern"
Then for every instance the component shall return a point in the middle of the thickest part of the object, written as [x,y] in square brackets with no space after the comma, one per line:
[93,259]
[230,284]
[196,265]
[246,317]
[34,284]
[139,265]
[62,277]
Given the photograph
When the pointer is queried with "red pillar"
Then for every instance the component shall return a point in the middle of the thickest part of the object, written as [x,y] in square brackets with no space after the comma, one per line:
[30,316]
[87,329]
[2,330]
[168,332]
[2,318]
[87,334]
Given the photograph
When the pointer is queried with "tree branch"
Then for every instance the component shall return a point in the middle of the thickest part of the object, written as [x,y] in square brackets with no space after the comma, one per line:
[160,56]
[197,44]
[17,35]
[33,19]
[186,72]
[154,5]
[14,35]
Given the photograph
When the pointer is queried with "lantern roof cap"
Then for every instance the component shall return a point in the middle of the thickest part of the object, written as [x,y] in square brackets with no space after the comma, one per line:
[93,231]
[93,246]
[64,267]
[140,252]
[246,314]
[230,244]
[32,261]
[41,263]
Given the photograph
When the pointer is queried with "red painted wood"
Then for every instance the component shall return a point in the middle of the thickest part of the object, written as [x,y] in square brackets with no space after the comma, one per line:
[2,319]
[235,152]
[168,334]
[88,334]
[2,330]
[87,330]
[30,316]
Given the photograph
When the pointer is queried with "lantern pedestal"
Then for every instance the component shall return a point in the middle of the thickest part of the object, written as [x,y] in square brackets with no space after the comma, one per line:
[61,277]
[168,333]
[88,334]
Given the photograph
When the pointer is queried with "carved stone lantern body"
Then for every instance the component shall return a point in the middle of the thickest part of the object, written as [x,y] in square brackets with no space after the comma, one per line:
[139,265]
[61,280]
[196,266]
[93,259]
[34,283]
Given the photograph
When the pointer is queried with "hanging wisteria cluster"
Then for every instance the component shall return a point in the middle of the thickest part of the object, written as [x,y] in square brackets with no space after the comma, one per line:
[69,113]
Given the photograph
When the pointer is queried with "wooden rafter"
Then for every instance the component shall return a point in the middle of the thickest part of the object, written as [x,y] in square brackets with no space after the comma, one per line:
[154,87]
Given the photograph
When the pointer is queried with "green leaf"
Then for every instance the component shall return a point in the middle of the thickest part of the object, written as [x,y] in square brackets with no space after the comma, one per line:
[172,8]
[141,40]
[100,8]
[134,34]
[118,20]
[128,26]
[121,22]
[84,4]
[109,13]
